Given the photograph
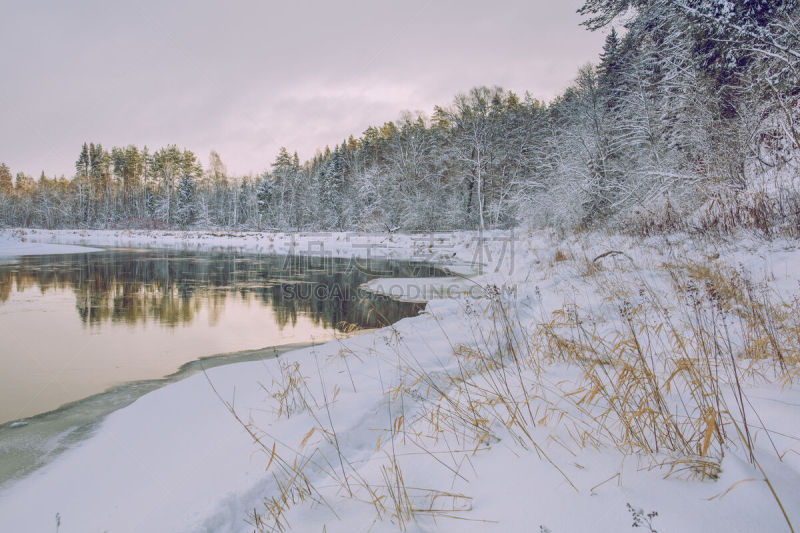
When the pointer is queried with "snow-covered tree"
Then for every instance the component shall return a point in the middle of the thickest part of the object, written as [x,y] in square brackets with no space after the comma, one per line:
[186,202]
[265,197]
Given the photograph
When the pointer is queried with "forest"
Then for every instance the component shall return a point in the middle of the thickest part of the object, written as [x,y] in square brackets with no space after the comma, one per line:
[689,120]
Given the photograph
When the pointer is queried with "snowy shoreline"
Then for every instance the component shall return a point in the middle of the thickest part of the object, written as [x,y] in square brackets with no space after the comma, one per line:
[30,443]
[12,244]
[177,459]
[445,247]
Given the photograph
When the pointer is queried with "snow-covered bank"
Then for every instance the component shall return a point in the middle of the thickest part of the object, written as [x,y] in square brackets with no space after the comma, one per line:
[424,289]
[14,244]
[463,413]
[30,443]
[442,247]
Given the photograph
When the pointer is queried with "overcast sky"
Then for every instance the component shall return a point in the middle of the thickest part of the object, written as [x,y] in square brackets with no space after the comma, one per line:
[247,77]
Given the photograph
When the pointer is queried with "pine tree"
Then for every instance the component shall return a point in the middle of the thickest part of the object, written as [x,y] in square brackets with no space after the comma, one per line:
[189,164]
[99,167]
[6,181]
[147,166]
[82,164]
[127,166]
[25,185]
[283,163]
[216,169]
[167,164]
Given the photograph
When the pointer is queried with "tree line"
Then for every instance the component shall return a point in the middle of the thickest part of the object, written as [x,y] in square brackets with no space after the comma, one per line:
[689,98]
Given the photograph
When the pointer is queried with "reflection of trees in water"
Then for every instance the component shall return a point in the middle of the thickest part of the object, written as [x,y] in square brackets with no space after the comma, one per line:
[5,284]
[171,287]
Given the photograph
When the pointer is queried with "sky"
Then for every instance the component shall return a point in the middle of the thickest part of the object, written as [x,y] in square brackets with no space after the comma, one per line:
[245,77]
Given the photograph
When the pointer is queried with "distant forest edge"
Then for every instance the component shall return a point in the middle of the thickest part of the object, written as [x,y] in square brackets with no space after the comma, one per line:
[689,121]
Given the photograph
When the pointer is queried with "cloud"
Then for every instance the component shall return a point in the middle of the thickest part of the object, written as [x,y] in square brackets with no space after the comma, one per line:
[252,76]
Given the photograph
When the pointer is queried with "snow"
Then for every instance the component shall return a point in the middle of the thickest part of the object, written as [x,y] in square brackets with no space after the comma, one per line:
[442,247]
[13,246]
[424,289]
[178,460]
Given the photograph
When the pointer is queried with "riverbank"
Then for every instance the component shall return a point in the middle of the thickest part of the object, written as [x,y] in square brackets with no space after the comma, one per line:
[448,248]
[589,372]
[28,444]
[14,244]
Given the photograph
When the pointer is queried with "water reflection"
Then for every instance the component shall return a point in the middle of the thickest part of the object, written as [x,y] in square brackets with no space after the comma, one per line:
[75,325]
[170,287]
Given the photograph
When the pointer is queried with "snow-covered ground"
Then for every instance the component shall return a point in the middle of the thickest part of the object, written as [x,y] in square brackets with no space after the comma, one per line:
[442,247]
[461,419]
[14,244]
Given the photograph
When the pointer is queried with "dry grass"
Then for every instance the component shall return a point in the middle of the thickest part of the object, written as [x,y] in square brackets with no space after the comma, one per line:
[770,213]
[662,378]
[667,378]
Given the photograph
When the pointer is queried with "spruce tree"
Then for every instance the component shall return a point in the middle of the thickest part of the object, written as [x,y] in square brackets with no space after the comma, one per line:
[264,198]
[609,68]
[186,202]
